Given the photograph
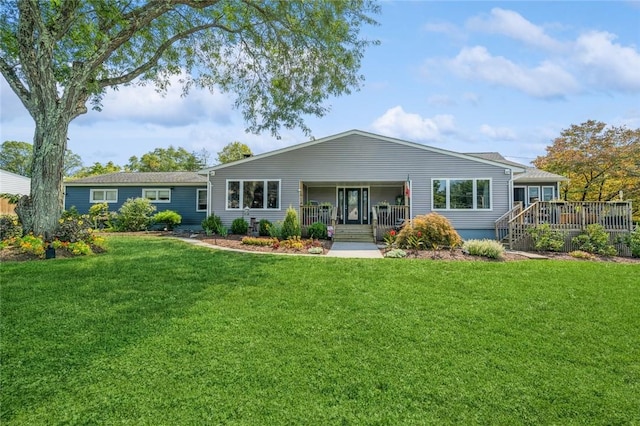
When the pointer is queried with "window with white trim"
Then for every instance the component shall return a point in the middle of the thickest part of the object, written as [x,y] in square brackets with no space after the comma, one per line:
[255,194]
[157,195]
[548,193]
[461,194]
[103,196]
[534,194]
[201,200]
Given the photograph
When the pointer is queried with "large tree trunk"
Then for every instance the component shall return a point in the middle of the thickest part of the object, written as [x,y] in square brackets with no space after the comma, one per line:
[49,145]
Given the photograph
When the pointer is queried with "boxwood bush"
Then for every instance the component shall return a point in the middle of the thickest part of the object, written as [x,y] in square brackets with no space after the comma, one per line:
[239,226]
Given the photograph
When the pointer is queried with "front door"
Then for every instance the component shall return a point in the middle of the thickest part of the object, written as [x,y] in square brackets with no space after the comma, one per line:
[353,212]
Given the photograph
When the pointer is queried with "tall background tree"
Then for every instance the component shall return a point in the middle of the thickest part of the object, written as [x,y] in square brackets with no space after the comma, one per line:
[166,160]
[599,160]
[97,169]
[17,157]
[282,59]
[233,152]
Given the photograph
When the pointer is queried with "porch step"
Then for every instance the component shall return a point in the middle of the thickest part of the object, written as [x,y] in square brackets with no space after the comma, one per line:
[353,233]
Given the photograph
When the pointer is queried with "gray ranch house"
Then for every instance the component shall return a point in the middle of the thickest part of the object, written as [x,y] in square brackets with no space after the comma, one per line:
[182,192]
[362,184]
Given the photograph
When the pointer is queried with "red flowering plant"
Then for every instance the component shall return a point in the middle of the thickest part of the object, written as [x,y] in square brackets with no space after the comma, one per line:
[390,239]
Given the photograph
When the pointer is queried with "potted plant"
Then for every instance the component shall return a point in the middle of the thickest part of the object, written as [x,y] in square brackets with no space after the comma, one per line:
[383,205]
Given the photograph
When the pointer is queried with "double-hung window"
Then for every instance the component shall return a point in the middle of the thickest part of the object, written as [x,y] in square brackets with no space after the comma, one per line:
[157,195]
[103,195]
[461,194]
[201,200]
[255,194]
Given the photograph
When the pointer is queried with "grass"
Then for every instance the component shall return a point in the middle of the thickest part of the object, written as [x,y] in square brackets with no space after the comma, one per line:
[160,332]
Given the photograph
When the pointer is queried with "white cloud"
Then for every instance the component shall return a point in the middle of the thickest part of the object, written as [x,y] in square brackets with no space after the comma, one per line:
[498,133]
[547,80]
[446,28]
[514,25]
[607,64]
[398,123]
[145,104]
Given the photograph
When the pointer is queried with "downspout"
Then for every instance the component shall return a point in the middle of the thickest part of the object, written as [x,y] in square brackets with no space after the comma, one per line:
[211,174]
[410,198]
[510,188]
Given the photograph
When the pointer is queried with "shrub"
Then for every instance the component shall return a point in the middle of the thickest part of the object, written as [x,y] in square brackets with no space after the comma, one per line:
[547,239]
[253,241]
[31,244]
[135,214]
[263,227]
[275,230]
[239,226]
[395,253]
[290,226]
[428,231]
[169,218]
[318,230]
[212,225]
[315,250]
[73,228]
[10,227]
[633,241]
[487,248]
[578,254]
[70,212]
[595,239]
[294,243]
[100,216]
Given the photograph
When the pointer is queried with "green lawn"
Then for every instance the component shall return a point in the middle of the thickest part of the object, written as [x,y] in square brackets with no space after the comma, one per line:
[157,331]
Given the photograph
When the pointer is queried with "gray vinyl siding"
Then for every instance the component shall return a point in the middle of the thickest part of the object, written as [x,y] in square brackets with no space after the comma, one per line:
[357,159]
[183,200]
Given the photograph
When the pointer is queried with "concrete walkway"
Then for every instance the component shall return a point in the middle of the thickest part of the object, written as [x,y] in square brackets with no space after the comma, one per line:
[360,250]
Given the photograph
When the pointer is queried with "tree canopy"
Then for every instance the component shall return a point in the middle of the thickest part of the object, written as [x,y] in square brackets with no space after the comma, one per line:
[599,160]
[166,160]
[233,152]
[281,59]
[16,157]
[97,168]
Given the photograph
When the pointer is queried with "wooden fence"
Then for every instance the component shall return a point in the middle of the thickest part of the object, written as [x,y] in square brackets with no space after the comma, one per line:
[6,207]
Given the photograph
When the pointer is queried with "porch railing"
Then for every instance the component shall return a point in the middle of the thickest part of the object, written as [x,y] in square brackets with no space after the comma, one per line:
[571,217]
[388,217]
[502,224]
[312,214]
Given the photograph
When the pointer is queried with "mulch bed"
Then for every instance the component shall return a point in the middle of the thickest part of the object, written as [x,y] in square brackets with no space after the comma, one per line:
[235,242]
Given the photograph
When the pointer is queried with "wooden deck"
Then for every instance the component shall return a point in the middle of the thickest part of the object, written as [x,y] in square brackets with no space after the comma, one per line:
[570,217]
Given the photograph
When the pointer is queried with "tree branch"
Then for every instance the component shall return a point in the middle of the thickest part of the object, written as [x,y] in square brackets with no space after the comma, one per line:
[156,57]
[15,83]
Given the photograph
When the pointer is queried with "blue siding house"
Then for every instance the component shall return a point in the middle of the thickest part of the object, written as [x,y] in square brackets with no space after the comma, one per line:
[182,192]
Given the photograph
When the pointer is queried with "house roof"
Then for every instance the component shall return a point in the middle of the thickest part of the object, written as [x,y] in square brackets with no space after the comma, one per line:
[530,174]
[514,166]
[141,178]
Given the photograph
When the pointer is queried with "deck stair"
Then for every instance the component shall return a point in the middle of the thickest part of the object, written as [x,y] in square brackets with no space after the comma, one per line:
[353,233]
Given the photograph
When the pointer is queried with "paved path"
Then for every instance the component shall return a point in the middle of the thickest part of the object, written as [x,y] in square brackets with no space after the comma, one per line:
[361,250]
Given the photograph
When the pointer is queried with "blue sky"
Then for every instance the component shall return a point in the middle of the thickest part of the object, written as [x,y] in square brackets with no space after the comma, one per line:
[463,76]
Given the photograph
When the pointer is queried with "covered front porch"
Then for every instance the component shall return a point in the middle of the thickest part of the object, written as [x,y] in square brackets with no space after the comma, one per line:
[349,206]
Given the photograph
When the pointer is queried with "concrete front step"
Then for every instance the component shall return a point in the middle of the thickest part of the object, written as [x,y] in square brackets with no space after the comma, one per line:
[353,233]
[353,238]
